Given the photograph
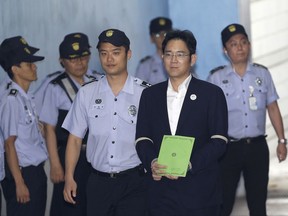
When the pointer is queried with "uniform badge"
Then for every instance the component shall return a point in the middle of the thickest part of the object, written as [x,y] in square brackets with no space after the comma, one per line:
[98,101]
[193,97]
[225,81]
[258,81]
[132,110]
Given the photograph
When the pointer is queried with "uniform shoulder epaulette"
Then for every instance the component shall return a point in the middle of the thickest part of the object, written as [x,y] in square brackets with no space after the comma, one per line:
[145,59]
[94,80]
[142,83]
[59,78]
[54,74]
[217,69]
[13,92]
[259,65]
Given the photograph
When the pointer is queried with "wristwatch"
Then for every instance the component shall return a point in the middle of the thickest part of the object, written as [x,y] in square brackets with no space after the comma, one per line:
[282,141]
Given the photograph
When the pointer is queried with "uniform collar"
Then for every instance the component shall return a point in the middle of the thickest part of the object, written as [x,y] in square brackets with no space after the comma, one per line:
[128,86]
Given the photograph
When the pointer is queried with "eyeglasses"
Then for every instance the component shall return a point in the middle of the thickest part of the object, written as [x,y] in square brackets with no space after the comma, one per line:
[178,55]
[80,59]
[160,34]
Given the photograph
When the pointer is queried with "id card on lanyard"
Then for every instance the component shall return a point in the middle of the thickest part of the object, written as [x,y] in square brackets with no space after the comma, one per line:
[252,99]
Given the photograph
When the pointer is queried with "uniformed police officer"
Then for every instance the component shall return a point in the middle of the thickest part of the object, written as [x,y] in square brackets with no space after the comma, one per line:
[25,184]
[108,108]
[151,68]
[59,95]
[40,91]
[249,91]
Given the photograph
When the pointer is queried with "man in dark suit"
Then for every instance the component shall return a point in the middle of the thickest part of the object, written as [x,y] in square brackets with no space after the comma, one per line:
[183,106]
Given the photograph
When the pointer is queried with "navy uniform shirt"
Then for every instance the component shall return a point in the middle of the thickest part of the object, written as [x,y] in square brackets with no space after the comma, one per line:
[19,118]
[257,82]
[151,69]
[56,99]
[111,121]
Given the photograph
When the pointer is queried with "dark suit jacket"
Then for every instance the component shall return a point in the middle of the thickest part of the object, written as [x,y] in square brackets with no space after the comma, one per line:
[202,118]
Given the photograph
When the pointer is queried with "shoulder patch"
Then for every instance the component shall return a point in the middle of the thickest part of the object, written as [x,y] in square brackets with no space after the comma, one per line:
[142,83]
[145,59]
[217,69]
[94,80]
[259,65]
[13,92]
[59,78]
[54,74]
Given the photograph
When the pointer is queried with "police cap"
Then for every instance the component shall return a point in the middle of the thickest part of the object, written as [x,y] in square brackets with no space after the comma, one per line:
[232,30]
[74,45]
[159,24]
[114,36]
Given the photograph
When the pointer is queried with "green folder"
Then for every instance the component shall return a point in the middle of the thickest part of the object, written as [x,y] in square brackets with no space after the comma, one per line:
[175,153]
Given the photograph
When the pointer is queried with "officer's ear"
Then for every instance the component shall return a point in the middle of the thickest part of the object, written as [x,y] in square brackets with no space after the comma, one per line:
[61,62]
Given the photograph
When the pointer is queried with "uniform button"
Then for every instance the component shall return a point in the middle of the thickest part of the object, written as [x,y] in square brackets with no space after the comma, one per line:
[96,116]
[113,142]
[132,121]
[227,94]
[114,128]
[115,99]
[246,126]
[245,114]
[115,113]
[111,156]
[243,90]
[244,102]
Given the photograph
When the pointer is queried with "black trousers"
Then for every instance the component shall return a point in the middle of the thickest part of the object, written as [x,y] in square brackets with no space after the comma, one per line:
[120,196]
[82,170]
[251,159]
[36,180]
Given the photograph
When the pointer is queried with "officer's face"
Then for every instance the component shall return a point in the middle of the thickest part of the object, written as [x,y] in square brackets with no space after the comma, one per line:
[113,59]
[158,39]
[238,49]
[177,59]
[76,67]
[26,71]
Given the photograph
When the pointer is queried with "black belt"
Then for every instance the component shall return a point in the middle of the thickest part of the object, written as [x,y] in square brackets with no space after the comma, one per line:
[138,168]
[247,140]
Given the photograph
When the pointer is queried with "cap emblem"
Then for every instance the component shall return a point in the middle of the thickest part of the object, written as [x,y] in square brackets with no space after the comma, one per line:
[75,46]
[162,22]
[23,41]
[77,36]
[27,50]
[109,33]
[232,28]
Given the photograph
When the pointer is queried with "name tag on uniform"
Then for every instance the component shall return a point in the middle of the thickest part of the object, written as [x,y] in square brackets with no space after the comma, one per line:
[98,106]
[252,99]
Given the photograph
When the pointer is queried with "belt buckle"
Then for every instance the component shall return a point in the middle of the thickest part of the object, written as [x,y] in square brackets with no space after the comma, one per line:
[112,175]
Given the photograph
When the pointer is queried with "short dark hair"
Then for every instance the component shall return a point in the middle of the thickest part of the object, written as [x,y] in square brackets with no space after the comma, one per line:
[186,36]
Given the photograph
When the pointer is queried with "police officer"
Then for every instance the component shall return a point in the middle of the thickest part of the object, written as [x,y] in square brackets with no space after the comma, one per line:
[151,68]
[40,91]
[108,108]
[59,95]
[249,91]
[25,184]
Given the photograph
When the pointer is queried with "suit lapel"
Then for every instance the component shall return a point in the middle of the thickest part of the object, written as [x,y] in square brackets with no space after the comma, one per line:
[186,108]
[163,111]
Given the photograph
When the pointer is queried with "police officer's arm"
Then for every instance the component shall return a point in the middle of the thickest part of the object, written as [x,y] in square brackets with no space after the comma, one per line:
[71,158]
[22,192]
[276,120]
[56,169]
